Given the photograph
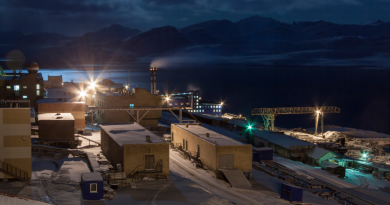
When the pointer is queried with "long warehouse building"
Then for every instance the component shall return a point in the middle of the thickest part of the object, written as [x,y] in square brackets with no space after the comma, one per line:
[283,145]
[214,150]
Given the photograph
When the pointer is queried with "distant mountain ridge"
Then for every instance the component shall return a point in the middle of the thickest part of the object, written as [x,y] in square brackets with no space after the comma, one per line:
[249,36]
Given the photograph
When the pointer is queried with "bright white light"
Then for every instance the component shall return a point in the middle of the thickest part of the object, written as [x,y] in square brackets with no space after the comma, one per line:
[82,93]
[127,87]
[167,98]
[92,85]
[221,103]
[318,112]
[364,155]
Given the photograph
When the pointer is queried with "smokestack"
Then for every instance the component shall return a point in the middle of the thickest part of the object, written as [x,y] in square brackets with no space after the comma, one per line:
[151,80]
[155,80]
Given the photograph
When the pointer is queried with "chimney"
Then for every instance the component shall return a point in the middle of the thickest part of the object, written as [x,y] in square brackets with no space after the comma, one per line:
[207,135]
[151,80]
[155,80]
[148,138]
[187,125]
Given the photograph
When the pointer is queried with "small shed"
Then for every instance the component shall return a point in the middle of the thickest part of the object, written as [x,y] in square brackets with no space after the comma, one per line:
[92,185]
[291,193]
[262,153]
[316,155]
[336,169]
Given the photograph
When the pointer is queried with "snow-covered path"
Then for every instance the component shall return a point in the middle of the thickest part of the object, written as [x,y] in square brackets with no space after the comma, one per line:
[185,169]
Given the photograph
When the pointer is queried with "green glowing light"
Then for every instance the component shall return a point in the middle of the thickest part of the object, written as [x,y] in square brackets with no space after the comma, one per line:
[364,155]
[249,127]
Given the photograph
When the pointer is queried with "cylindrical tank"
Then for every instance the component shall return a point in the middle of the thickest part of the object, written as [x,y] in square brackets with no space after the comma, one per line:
[32,67]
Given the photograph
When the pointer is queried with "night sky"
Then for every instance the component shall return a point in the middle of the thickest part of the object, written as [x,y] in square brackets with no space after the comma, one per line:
[75,17]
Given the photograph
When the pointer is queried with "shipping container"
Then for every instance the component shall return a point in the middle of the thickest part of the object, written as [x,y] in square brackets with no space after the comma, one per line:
[291,193]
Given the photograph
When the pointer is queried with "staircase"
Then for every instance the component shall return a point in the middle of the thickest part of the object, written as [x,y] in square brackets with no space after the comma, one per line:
[14,171]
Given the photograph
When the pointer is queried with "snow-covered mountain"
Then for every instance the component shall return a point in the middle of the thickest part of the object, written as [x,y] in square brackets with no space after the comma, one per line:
[157,40]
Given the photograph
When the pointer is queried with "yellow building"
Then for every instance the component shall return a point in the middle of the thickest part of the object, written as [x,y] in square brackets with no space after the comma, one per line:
[138,98]
[139,151]
[15,142]
[214,150]
[57,105]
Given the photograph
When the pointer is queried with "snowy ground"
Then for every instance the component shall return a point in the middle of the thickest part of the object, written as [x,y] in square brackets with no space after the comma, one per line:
[352,132]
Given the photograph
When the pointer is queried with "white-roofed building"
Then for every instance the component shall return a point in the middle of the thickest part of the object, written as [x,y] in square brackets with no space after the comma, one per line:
[139,151]
[214,150]
[283,145]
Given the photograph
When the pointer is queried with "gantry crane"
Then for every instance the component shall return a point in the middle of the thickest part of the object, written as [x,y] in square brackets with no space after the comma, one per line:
[269,114]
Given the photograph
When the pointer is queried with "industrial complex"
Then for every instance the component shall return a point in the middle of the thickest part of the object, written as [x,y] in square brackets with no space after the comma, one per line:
[102,142]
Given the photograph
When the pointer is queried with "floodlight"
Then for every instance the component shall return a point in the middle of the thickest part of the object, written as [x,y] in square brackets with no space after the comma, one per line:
[82,93]
[364,155]
[221,103]
[318,112]
[249,127]
[167,98]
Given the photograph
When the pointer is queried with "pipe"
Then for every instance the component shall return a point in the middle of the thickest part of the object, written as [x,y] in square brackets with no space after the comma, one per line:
[155,79]
[151,80]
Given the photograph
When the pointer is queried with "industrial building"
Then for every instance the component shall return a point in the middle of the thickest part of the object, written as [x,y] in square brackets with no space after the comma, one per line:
[57,128]
[317,154]
[53,82]
[138,151]
[214,150]
[200,106]
[60,105]
[138,98]
[283,145]
[15,143]
[23,85]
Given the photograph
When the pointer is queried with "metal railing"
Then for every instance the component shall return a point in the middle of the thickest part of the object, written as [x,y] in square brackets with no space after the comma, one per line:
[14,171]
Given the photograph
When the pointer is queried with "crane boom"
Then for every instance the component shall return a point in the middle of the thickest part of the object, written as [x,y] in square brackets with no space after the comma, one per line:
[294,110]
[268,114]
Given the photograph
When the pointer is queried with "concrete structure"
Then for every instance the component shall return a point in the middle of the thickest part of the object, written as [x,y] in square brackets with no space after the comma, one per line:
[56,127]
[58,105]
[53,82]
[139,151]
[214,150]
[283,145]
[317,154]
[92,185]
[23,85]
[138,98]
[15,139]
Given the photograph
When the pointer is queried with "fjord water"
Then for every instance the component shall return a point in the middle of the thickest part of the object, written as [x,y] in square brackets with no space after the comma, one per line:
[362,94]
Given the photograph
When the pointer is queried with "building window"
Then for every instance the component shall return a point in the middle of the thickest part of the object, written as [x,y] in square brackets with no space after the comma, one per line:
[213,110]
[38,92]
[131,105]
[172,136]
[202,110]
[38,86]
[8,87]
[93,188]
[16,88]
[24,96]
[149,162]
[24,87]
[93,96]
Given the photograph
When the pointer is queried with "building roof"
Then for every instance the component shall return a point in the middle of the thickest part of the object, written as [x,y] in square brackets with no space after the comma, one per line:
[130,133]
[214,137]
[56,100]
[281,139]
[55,116]
[262,148]
[317,152]
[111,94]
[91,176]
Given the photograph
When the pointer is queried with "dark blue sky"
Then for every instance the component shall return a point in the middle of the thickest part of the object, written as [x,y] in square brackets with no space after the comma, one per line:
[75,17]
